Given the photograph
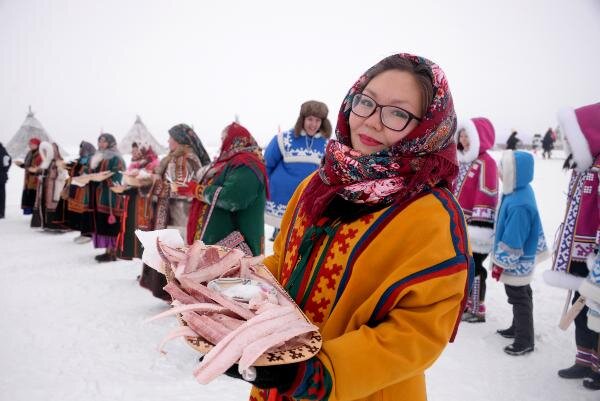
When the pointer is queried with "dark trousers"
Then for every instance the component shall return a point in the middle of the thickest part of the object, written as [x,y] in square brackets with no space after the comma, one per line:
[2,198]
[521,300]
[584,337]
[480,272]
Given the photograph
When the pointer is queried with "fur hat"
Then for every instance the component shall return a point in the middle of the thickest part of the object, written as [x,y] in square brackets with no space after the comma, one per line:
[316,109]
[581,128]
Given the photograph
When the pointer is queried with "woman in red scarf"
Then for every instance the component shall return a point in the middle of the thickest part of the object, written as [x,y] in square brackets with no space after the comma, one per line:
[231,194]
[373,247]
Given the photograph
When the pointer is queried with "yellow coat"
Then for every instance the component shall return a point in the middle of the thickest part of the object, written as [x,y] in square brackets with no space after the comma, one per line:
[386,291]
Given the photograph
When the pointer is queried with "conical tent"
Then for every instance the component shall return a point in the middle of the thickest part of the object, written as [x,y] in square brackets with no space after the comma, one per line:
[18,146]
[140,134]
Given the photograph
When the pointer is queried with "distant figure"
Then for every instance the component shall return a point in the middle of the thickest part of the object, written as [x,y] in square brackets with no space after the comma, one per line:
[4,166]
[512,142]
[548,143]
[108,207]
[48,202]
[30,184]
[80,216]
[536,142]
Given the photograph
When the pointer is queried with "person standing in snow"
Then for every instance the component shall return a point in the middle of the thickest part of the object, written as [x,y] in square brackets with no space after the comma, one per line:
[230,197]
[108,206]
[513,142]
[577,236]
[536,142]
[548,144]
[577,253]
[373,247]
[476,189]
[48,203]
[293,155]
[519,240]
[30,182]
[138,211]
[79,215]
[5,162]
[182,164]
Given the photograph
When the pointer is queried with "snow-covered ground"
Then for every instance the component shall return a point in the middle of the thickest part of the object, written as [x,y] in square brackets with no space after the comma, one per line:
[72,328]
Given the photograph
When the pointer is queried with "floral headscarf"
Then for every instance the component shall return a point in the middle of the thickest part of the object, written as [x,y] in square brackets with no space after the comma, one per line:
[424,159]
[239,148]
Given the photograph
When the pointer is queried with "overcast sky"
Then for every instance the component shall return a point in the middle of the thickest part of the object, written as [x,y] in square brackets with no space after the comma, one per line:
[89,65]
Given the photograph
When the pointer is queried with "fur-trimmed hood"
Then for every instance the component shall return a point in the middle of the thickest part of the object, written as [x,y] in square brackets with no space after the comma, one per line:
[516,168]
[481,138]
[581,128]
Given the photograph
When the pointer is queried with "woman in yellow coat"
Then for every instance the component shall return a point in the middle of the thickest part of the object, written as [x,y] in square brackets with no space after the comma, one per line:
[373,246]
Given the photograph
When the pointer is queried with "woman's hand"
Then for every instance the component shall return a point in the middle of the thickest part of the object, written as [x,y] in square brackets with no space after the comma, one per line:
[119,189]
[192,189]
[18,163]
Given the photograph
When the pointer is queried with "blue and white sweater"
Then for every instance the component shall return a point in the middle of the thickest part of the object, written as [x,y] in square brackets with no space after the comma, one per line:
[289,160]
[519,236]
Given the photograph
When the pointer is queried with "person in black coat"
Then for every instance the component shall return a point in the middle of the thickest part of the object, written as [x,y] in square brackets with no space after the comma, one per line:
[548,144]
[5,161]
[512,142]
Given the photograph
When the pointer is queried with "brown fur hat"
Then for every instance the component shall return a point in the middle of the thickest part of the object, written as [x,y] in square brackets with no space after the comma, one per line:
[316,109]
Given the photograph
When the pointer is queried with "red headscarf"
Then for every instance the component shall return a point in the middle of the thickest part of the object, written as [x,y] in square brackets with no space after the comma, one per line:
[239,148]
[424,159]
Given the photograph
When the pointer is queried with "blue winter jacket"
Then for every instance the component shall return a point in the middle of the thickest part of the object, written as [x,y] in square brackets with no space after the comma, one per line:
[519,235]
[289,160]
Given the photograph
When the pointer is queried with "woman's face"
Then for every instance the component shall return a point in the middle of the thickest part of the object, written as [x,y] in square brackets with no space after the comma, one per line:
[136,153]
[311,125]
[463,138]
[102,144]
[390,88]
[172,143]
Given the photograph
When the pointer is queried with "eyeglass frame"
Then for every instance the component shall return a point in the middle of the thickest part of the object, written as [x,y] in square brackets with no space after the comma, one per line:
[411,116]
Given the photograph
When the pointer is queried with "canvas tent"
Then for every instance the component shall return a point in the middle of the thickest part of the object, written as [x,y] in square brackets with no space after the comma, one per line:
[140,134]
[18,146]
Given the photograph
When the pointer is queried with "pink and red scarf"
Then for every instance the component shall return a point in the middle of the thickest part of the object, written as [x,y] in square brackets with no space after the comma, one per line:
[424,159]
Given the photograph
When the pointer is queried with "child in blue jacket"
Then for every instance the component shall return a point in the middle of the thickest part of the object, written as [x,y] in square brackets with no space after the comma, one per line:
[519,238]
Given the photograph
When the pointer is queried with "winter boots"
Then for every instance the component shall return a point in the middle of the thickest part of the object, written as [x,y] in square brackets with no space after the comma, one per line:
[507,333]
[518,349]
[105,257]
[592,383]
[576,372]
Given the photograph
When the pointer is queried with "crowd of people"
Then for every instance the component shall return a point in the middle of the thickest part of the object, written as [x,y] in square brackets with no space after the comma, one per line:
[381,233]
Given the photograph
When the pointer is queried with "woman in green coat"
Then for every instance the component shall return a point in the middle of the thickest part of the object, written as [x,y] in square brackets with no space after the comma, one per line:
[230,197]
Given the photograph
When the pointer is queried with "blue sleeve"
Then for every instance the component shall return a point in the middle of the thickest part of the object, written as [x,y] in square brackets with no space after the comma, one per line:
[273,156]
[509,248]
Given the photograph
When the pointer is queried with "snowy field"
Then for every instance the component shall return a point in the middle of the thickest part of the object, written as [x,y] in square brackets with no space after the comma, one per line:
[72,328]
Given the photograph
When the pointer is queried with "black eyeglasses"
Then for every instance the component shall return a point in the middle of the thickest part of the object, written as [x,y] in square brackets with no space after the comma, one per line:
[392,117]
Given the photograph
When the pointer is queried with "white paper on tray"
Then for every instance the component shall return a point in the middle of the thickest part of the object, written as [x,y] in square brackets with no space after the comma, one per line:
[169,236]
